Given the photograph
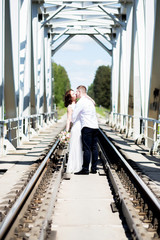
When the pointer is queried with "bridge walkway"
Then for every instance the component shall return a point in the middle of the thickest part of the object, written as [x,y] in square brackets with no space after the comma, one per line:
[16,163]
[83,210]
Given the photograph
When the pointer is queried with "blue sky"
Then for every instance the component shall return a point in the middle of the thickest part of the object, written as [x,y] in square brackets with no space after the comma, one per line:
[81,56]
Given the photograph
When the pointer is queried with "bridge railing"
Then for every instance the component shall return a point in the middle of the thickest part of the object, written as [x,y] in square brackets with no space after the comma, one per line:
[149,133]
[121,122]
[13,131]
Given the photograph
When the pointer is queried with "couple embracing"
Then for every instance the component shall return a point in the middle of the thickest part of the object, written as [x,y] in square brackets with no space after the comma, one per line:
[84,132]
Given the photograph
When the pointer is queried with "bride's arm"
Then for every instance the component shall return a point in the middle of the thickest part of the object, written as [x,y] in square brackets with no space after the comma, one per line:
[69,118]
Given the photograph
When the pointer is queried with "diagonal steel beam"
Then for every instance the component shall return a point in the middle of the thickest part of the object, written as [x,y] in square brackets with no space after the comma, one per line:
[111,42]
[122,24]
[53,15]
[61,44]
[60,35]
[101,44]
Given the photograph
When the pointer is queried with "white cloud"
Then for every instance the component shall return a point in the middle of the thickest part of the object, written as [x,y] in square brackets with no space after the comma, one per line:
[73,46]
[100,62]
[76,43]
[78,78]
[82,62]
[88,63]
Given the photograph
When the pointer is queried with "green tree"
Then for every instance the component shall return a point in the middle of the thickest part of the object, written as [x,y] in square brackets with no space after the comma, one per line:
[90,91]
[61,84]
[101,86]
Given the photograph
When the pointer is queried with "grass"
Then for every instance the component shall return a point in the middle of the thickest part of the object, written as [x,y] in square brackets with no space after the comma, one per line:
[102,111]
[61,111]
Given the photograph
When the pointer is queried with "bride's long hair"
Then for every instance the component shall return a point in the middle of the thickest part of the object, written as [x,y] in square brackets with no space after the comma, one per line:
[68,98]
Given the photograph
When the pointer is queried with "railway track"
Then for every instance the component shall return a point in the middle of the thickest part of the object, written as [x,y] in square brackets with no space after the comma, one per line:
[137,202]
[27,216]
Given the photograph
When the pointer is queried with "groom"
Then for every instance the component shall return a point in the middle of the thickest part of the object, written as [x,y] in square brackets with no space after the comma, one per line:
[85,109]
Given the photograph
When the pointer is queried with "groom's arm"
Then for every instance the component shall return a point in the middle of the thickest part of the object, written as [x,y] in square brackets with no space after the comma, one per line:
[91,99]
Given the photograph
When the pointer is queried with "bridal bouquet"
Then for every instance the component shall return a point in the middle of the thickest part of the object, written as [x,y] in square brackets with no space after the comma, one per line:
[64,137]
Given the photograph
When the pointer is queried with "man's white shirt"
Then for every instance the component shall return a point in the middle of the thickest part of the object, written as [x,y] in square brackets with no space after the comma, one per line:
[85,111]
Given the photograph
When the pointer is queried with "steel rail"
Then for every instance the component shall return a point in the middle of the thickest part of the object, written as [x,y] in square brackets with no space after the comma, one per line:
[149,193]
[17,205]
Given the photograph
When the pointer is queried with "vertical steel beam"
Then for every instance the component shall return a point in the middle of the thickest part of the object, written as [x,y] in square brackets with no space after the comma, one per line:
[14,7]
[34,60]
[146,71]
[153,102]
[25,58]
[122,64]
[2,46]
[48,76]
[115,72]
[41,68]
[138,72]
[14,12]
[125,60]
[9,89]
[45,70]
[28,62]
[154,93]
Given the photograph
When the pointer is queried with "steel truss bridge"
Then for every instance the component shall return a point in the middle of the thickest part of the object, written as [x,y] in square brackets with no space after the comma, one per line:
[29,30]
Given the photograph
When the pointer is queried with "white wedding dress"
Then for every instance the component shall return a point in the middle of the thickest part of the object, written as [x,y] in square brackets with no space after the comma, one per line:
[75,159]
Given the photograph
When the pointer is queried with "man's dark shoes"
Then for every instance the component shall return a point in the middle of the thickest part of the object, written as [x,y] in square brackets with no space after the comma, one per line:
[94,171]
[82,172]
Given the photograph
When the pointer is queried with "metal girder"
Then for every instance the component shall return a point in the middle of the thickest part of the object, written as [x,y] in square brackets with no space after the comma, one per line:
[61,44]
[111,42]
[60,35]
[101,44]
[53,15]
[82,17]
[81,13]
[113,17]
[83,1]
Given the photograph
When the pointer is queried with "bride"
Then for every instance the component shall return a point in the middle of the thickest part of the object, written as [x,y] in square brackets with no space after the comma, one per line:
[75,159]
